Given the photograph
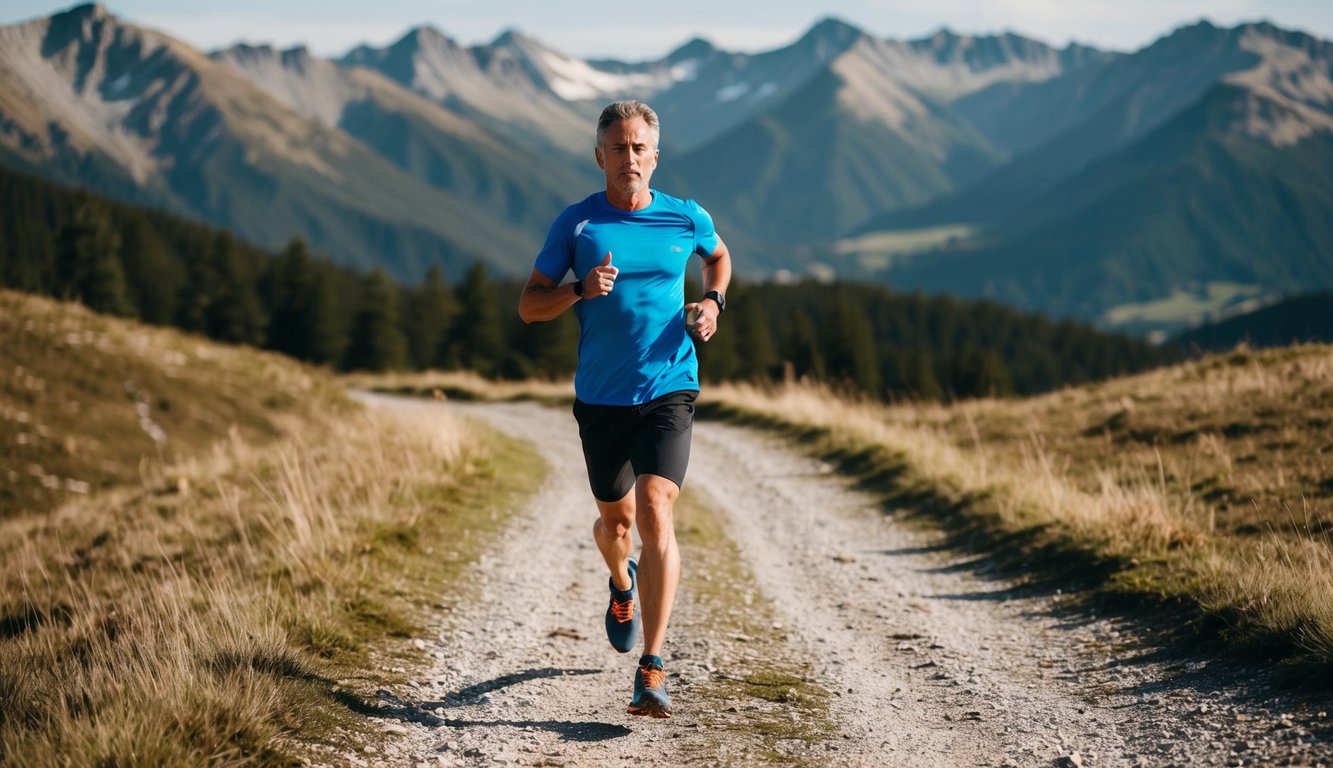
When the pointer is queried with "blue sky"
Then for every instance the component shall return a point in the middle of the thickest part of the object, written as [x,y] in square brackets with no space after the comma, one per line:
[646,30]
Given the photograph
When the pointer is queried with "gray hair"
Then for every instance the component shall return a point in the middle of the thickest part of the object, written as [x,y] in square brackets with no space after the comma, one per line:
[621,110]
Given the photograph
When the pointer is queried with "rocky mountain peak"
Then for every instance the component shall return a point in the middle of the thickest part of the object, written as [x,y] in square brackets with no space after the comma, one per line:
[83,23]
[695,48]
[90,11]
[829,38]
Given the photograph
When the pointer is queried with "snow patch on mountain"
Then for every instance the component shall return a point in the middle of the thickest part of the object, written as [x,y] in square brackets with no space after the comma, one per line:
[577,80]
[732,92]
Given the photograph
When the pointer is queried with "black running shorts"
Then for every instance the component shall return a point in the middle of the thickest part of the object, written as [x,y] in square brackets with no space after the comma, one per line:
[621,442]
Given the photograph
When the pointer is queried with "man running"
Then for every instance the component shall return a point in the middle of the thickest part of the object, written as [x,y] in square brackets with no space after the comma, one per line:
[637,376]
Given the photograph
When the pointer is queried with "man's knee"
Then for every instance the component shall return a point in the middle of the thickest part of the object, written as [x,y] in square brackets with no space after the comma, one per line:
[657,497]
[617,519]
[658,492]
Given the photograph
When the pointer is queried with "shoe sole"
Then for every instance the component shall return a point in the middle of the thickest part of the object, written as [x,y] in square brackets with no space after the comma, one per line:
[651,706]
[650,709]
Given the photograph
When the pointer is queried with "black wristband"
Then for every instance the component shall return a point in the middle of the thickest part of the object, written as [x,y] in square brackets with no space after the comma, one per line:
[718,299]
[578,288]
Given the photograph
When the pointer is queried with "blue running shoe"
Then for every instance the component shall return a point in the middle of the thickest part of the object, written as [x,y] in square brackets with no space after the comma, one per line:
[650,693]
[622,615]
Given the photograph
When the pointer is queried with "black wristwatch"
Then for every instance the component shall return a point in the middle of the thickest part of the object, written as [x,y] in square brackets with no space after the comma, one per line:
[578,288]
[719,299]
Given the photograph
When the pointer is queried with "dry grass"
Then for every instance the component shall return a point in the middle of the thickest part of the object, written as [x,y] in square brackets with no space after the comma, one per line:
[85,399]
[1207,482]
[228,607]
[154,627]
[460,385]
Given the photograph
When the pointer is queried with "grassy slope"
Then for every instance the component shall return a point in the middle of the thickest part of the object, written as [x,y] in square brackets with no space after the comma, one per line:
[1202,486]
[80,395]
[225,605]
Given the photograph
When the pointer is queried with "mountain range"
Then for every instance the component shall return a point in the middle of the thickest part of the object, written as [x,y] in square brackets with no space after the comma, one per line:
[1126,188]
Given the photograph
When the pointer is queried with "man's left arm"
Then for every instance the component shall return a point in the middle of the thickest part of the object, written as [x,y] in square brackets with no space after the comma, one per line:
[716,277]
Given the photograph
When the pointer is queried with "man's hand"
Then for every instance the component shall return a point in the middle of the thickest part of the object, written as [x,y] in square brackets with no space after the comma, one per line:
[704,314]
[601,279]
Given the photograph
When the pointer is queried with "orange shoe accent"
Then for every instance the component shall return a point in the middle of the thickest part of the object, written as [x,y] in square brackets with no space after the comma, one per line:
[622,612]
[653,677]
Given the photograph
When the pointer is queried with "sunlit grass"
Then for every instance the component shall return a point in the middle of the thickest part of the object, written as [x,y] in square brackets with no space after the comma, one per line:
[1206,481]
[237,600]
[84,399]
[460,385]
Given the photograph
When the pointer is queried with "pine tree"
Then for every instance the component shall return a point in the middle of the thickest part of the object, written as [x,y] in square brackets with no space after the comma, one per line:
[235,313]
[154,277]
[851,346]
[477,339]
[88,266]
[755,354]
[719,356]
[377,343]
[980,373]
[553,346]
[801,349]
[920,378]
[300,292]
[428,310]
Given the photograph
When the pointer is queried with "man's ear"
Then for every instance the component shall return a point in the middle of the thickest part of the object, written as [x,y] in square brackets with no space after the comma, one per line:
[597,153]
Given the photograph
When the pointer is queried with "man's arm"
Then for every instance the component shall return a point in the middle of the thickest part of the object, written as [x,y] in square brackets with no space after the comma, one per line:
[545,299]
[717,276]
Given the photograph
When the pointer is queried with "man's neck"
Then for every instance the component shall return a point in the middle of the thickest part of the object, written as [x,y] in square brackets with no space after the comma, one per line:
[635,202]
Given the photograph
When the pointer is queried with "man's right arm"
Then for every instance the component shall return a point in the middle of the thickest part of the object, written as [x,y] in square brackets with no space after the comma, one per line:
[544,298]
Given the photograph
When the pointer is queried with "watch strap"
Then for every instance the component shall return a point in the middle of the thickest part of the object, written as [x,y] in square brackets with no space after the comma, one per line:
[718,299]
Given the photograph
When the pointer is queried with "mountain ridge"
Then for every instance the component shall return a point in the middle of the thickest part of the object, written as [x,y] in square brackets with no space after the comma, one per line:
[425,151]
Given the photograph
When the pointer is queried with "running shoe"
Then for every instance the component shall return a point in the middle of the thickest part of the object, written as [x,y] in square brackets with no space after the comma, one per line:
[650,693]
[622,615]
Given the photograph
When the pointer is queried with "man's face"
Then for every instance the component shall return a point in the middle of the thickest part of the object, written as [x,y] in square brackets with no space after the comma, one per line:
[627,155]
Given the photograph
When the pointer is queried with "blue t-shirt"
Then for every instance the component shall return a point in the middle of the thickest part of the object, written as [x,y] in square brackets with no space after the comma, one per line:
[632,342]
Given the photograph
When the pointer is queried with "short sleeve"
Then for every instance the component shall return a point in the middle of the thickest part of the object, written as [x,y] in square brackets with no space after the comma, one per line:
[557,255]
[705,237]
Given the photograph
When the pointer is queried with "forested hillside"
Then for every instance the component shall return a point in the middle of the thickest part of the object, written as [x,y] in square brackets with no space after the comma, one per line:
[165,270]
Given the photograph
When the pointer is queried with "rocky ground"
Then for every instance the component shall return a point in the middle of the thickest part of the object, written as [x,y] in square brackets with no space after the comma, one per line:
[811,627]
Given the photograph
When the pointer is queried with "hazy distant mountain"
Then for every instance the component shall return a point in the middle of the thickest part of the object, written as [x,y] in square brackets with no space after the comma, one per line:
[433,145]
[1205,159]
[426,151]
[511,86]
[1237,189]
[1059,126]
[1073,180]
[862,125]
[88,99]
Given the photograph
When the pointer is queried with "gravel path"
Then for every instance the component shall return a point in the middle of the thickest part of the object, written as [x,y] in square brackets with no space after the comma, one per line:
[910,657]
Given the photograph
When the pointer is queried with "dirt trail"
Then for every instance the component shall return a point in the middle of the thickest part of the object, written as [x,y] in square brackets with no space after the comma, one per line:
[910,657]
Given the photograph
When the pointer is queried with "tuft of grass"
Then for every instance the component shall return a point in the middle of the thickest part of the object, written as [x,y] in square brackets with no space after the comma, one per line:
[1202,485]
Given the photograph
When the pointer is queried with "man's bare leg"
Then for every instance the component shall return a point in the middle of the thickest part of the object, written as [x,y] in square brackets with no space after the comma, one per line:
[659,565]
[613,533]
